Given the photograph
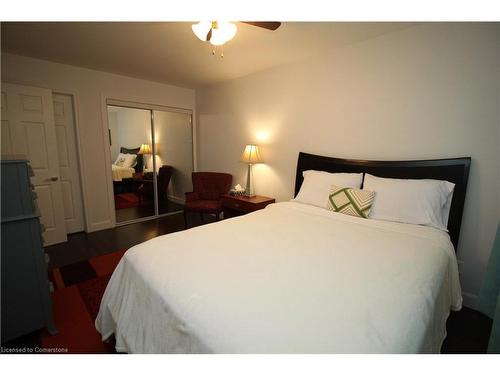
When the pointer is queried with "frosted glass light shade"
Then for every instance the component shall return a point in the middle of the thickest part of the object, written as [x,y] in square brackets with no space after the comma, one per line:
[251,155]
[201,29]
[222,33]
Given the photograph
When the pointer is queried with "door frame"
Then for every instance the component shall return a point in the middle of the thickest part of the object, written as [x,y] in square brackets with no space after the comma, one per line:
[79,153]
[139,103]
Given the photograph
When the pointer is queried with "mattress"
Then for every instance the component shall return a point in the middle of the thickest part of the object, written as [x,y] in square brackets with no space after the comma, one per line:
[291,278]
[120,173]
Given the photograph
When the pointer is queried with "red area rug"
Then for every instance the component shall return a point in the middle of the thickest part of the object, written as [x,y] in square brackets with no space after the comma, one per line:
[75,302]
[125,200]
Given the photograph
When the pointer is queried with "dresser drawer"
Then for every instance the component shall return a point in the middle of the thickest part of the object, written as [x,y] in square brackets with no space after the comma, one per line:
[23,276]
[17,196]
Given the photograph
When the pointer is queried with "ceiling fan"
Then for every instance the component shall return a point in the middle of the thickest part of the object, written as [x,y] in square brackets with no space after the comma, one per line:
[220,32]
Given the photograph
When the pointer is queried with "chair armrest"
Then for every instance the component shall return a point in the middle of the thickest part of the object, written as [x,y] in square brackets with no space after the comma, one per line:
[192,196]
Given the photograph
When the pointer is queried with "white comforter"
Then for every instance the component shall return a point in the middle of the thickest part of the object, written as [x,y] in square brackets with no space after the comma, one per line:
[288,279]
[120,173]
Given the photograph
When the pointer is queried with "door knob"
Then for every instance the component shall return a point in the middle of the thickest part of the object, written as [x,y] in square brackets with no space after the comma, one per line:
[54,178]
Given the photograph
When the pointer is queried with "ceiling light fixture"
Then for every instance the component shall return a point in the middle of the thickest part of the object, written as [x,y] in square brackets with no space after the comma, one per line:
[215,32]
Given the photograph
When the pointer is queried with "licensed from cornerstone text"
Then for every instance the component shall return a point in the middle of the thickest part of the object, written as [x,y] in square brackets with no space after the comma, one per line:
[32,350]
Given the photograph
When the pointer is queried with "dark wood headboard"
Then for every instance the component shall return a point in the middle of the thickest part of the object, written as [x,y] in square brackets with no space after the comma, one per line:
[140,158]
[452,170]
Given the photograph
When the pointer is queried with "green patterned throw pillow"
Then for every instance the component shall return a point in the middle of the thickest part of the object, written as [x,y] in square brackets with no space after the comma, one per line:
[350,201]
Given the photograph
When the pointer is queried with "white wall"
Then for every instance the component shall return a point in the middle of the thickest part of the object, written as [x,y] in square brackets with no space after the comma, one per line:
[430,91]
[133,128]
[91,87]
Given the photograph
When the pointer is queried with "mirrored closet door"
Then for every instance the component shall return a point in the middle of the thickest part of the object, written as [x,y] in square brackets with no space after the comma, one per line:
[174,158]
[151,160]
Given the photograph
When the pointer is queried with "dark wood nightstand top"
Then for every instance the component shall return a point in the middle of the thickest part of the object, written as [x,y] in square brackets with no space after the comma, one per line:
[256,199]
[245,204]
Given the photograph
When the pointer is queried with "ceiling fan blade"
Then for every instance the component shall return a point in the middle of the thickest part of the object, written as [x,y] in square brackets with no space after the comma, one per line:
[269,25]
[209,35]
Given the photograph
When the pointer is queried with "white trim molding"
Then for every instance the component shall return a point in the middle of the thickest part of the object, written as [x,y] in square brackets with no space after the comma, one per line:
[470,300]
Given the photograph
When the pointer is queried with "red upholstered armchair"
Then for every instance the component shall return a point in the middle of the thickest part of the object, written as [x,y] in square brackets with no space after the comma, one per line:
[208,188]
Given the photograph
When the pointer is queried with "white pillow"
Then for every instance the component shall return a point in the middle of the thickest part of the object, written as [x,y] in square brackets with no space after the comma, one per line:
[423,202]
[126,160]
[317,184]
[120,160]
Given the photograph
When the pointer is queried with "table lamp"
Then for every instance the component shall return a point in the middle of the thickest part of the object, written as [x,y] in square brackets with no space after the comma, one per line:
[145,150]
[251,155]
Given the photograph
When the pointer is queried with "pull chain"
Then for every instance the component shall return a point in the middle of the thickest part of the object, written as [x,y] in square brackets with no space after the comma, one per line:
[214,51]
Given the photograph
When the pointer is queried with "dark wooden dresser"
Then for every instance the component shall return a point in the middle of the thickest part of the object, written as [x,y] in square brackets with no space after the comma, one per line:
[25,300]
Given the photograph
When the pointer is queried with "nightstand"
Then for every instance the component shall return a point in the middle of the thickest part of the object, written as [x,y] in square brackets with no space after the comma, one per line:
[240,205]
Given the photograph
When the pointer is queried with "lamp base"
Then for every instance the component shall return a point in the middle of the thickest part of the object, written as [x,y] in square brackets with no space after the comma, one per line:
[248,190]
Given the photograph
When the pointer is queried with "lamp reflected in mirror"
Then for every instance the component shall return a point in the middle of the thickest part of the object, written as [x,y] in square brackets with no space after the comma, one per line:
[145,150]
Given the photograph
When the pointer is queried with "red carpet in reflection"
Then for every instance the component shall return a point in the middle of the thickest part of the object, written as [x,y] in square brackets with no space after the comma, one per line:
[125,200]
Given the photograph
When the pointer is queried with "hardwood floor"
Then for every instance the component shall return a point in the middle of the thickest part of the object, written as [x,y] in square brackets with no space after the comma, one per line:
[145,210]
[82,246]
[468,332]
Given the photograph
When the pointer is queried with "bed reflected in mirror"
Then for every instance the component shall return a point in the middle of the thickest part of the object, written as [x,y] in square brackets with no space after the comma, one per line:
[129,129]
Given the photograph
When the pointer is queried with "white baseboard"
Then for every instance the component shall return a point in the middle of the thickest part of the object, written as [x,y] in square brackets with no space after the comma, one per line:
[101,225]
[470,300]
[176,199]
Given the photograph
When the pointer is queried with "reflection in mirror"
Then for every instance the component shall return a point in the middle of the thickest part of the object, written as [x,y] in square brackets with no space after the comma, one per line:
[174,158]
[131,162]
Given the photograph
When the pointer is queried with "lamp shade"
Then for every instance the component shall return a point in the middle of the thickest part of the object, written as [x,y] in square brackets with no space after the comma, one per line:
[221,31]
[251,155]
[201,29]
[145,149]
[224,32]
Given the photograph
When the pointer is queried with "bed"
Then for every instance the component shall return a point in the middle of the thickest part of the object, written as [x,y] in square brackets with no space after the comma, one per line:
[293,278]
[120,173]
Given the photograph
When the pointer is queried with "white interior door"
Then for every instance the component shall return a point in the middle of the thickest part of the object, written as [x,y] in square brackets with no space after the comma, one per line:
[69,171]
[28,129]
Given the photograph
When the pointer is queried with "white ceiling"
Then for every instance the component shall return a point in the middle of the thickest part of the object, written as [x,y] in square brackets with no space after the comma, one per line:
[169,52]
